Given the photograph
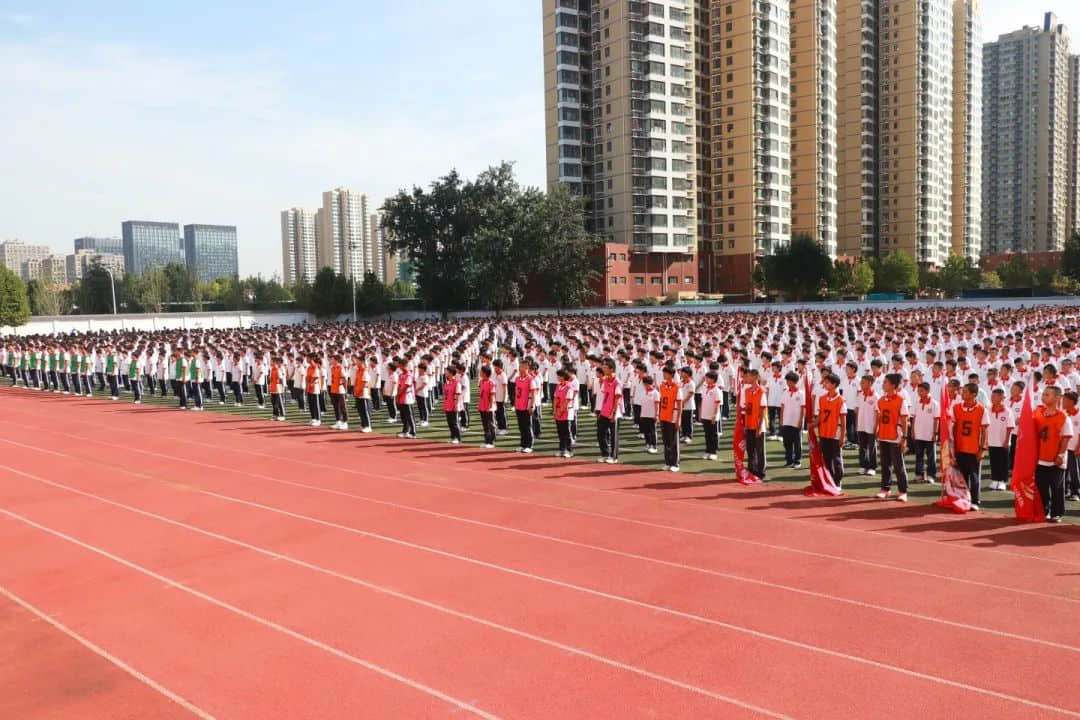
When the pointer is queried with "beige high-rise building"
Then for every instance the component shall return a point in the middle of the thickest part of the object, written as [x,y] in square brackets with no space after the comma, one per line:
[299,248]
[1073,225]
[621,131]
[750,213]
[1025,126]
[915,64]
[77,263]
[857,127]
[967,129]
[343,241]
[53,270]
[14,254]
[814,120]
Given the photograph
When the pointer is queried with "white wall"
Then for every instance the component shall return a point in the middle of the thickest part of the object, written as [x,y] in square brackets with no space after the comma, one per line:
[93,323]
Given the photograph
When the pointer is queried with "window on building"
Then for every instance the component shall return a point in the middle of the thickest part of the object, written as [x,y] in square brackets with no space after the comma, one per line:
[673,280]
[688,280]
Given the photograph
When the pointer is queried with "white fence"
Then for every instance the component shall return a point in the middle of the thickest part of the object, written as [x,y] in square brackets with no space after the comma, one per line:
[245,319]
[849,306]
[165,321]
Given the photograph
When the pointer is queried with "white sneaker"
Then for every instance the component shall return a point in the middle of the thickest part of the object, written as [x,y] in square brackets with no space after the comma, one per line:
[238,404]
[712,456]
[280,419]
[610,460]
[425,423]
[686,441]
[651,450]
[455,441]
[364,430]
[138,402]
[674,468]
[601,460]
[527,450]
[344,426]
[520,449]
[262,407]
[489,446]
[902,497]
[316,423]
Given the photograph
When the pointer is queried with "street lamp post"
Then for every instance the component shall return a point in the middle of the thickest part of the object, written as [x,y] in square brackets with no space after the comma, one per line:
[112,285]
[352,277]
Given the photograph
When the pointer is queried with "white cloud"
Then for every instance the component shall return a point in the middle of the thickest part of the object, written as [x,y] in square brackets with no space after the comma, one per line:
[105,133]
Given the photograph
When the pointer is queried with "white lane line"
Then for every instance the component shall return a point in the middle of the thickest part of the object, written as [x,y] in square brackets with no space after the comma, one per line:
[618,553]
[606,491]
[657,609]
[105,654]
[342,493]
[376,588]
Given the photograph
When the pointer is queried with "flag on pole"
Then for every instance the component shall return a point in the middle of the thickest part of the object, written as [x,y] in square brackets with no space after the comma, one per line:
[1026,499]
[821,480]
[738,444]
[955,494]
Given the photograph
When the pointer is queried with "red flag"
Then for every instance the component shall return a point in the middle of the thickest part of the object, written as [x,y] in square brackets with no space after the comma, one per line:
[738,444]
[821,480]
[955,494]
[1026,499]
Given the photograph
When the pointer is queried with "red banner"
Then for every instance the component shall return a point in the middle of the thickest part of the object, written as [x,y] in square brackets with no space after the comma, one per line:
[955,494]
[738,444]
[821,480]
[1026,499]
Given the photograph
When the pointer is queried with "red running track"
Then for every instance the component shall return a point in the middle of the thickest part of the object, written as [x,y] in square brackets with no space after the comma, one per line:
[164,564]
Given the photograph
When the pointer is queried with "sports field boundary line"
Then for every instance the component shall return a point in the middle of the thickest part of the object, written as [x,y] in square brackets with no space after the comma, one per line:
[604,491]
[343,493]
[106,655]
[809,647]
[580,652]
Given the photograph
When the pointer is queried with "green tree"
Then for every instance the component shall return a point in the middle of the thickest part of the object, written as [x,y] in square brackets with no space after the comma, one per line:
[1016,272]
[1064,285]
[841,277]
[434,228]
[862,280]
[93,295]
[268,294]
[1044,277]
[958,274]
[1070,258]
[499,254]
[800,269]
[897,272]
[153,289]
[373,297]
[401,290]
[179,283]
[569,260]
[14,303]
[989,280]
[331,294]
[43,298]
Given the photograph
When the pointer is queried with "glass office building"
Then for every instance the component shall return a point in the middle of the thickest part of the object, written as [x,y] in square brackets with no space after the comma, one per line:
[100,245]
[210,251]
[151,244]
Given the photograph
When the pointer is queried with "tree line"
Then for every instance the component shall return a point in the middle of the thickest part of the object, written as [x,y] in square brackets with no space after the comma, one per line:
[803,271]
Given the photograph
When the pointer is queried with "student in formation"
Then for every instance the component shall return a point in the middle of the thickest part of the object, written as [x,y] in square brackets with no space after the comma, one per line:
[422,389]
[607,421]
[405,399]
[313,387]
[452,403]
[831,424]
[925,422]
[998,439]
[866,425]
[686,394]
[752,405]
[892,420]
[485,405]
[466,396]
[650,408]
[277,388]
[1053,432]
[970,423]
[670,413]
[339,390]
[711,404]
[502,383]
[258,378]
[362,393]
[536,389]
[134,376]
[564,411]
[1072,461]
[179,378]
[792,417]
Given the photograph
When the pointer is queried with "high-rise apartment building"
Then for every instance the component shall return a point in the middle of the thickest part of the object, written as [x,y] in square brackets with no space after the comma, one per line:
[967,129]
[813,44]
[343,240]
[915,65]
[1073,224]
[52,270]
[1025,126]
[14,254]
[151,244]
[299,251]
[857,127]
[621,131]
[210,251]
[105,245]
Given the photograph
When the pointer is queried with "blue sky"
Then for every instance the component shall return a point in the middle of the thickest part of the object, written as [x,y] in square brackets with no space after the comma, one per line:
[229,112]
